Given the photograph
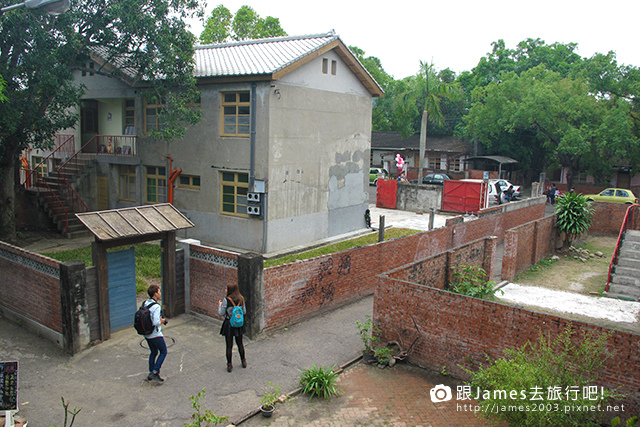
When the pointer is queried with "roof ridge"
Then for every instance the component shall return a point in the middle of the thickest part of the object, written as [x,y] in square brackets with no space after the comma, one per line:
[331,33]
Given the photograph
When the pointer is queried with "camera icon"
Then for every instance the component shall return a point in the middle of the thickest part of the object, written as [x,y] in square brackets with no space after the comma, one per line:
[440,393]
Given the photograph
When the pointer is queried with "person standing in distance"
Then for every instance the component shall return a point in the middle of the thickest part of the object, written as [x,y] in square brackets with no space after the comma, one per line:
[155,340]
[225,306]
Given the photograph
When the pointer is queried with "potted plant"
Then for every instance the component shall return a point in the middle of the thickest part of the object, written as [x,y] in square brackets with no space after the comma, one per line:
[369,335]
[269,398]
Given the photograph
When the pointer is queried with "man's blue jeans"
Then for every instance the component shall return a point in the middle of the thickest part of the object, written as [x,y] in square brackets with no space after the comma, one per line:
[156,345]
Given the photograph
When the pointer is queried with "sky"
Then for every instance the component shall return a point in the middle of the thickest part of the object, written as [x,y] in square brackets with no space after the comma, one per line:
[454,34]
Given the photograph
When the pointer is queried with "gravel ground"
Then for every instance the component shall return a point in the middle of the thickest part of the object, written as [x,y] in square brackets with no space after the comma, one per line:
[569,302]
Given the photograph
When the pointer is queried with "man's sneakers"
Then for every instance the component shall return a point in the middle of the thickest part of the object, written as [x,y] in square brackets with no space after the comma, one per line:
[155,377]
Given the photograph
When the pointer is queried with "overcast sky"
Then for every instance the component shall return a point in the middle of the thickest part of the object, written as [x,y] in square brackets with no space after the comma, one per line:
[455,34]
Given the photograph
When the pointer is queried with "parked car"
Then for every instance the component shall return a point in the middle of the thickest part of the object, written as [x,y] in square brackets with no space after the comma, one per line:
[616,195]
[375,173]
[504,185]
[435,178]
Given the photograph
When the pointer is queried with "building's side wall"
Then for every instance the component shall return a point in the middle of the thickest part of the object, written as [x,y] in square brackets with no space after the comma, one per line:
[320,133]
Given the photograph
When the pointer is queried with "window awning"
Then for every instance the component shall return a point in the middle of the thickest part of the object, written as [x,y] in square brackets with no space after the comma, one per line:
[135,221]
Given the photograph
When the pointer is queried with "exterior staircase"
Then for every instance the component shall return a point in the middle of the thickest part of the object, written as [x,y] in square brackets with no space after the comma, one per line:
[625,283]
[58,198]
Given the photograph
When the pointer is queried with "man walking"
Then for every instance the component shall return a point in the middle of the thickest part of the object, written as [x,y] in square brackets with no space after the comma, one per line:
[155,340]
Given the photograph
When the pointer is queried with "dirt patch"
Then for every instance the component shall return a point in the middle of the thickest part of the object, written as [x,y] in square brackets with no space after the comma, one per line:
[570,273]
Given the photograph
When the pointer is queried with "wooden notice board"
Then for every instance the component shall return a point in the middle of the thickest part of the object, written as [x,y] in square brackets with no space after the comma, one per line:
[8,386]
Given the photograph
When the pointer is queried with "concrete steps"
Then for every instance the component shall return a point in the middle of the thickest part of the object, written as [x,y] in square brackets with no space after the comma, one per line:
[57,207]
[625,282]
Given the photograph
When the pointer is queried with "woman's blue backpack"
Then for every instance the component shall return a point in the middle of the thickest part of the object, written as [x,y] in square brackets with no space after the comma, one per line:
[237,315]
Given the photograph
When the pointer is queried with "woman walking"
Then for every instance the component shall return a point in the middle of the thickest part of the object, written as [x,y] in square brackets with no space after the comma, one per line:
[225,308]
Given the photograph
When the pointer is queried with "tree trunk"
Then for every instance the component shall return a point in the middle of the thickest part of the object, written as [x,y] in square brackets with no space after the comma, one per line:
[423,144]
[8,160]
[7,204]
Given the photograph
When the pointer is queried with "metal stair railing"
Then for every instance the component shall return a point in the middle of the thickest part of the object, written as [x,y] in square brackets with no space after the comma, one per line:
[63,143]
[626,224]
[39,181]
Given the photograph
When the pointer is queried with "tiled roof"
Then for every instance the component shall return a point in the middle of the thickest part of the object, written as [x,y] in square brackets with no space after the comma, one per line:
[395,141]
[269,58]
[251,57]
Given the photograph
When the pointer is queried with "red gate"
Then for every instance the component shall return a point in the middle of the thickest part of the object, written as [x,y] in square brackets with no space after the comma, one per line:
[463,196]
[387,193]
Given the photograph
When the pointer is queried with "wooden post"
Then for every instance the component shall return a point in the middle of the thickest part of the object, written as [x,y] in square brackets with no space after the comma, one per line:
[99,253]
[169,273]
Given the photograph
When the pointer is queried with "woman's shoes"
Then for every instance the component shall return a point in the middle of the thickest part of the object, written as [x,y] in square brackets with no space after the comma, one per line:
[244,363]
[229,367]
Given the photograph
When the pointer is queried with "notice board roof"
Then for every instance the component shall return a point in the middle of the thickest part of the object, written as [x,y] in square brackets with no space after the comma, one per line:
[134,221]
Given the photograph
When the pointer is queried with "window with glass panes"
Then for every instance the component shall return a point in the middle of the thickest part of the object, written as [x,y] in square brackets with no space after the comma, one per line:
[156,184]
[127,179]
[41,168]
[234,193]
[236,110]
[434,162]
[189,181]
[454,165]
[129,113]
[152,119]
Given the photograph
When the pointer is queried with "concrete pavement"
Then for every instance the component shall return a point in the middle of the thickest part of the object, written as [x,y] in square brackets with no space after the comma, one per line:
[109,383]
[108,380]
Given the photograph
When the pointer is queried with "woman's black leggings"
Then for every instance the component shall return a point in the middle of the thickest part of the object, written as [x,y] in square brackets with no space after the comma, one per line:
[229,339]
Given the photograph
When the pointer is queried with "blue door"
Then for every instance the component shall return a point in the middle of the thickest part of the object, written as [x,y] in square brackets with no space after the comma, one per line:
[121,268]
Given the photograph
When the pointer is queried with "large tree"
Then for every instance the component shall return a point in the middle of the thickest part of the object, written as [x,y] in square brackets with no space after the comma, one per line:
[561,118]
[222,26]
[39,53]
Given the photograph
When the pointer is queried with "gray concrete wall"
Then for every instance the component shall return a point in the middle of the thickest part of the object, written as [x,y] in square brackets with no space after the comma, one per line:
[419,197]
[319,155]
[313,139]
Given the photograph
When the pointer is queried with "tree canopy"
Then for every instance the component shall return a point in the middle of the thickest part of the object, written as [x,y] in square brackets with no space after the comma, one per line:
[39,54]
[223,27]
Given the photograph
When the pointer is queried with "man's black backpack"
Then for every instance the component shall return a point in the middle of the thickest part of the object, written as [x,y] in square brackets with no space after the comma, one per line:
[142,319]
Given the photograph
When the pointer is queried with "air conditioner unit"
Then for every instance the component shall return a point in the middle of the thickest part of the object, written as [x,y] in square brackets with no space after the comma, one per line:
[253,197]
[253,210]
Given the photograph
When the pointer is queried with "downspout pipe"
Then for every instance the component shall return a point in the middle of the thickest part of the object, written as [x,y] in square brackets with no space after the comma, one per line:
[252,139]
[252,164]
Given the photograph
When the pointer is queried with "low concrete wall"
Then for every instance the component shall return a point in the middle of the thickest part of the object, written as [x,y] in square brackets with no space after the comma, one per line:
[419,197]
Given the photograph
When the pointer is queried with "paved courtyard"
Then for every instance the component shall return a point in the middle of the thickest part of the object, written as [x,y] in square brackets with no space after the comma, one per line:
[398,396]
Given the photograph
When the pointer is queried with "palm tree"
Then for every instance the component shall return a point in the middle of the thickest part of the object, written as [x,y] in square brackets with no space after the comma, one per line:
[427,85]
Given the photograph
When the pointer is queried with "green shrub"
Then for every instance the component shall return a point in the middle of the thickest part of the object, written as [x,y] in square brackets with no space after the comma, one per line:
[321,382]
[383,354]
[574,215]
[471,280]
[368,333]
[203,419]
[559,364]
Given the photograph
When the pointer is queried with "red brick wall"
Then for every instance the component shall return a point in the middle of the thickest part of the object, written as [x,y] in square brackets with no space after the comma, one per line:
[209,278]
[300,290]
[28,291]
[608,217]
[526,245]
[434,271]
[452,330]
[496,220]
